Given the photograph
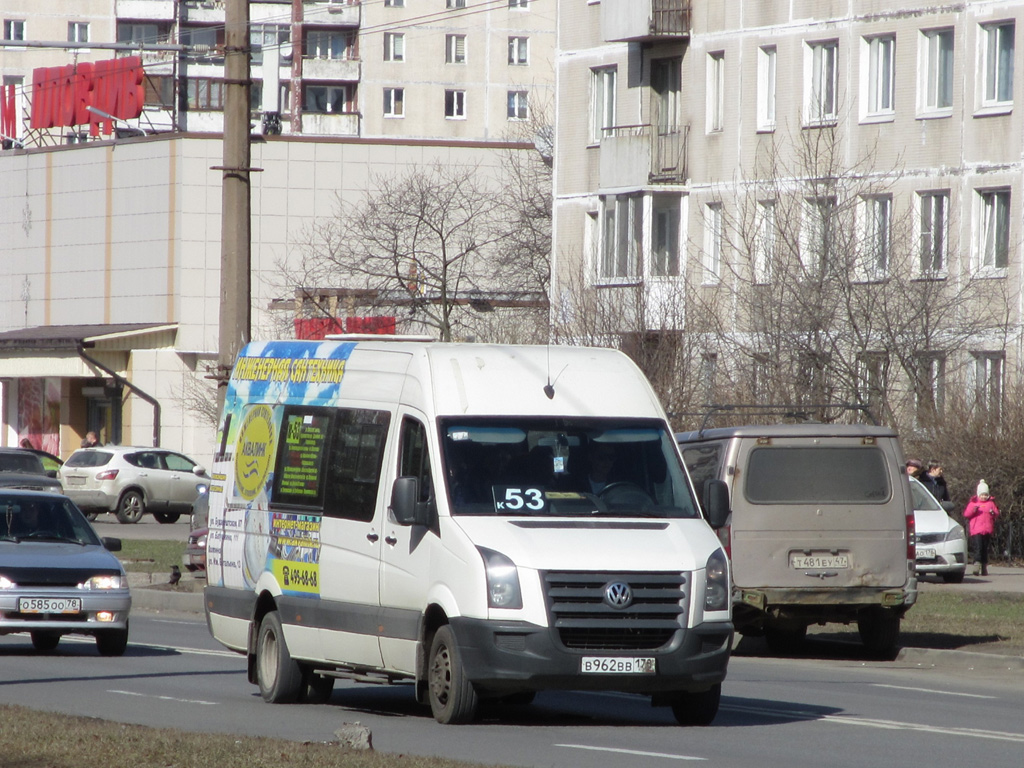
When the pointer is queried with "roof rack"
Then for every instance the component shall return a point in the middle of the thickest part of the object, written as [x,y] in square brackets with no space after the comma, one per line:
[801,412]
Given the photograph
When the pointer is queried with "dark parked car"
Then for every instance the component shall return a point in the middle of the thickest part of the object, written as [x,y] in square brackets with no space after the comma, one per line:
[22,468]
[57,577]
[133,481]
[194,558]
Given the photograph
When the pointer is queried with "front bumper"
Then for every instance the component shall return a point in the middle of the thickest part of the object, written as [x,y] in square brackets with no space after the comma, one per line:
[501,656]
[117,602]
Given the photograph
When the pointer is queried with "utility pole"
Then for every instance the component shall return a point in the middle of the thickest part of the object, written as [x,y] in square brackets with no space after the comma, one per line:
[235,254]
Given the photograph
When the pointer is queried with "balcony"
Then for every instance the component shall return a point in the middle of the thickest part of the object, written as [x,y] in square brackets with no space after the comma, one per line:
[645,20]
[343,13]
[330,125]
[331,69]
[143,10]
[635,156]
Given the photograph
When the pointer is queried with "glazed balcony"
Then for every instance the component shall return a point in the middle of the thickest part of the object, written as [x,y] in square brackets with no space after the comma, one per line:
[635,156]
[645,20]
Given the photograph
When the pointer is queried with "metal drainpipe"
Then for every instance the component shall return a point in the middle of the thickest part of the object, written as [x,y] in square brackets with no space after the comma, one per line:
[122,380]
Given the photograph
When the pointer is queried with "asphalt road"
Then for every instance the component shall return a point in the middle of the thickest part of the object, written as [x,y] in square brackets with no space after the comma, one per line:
[834,708]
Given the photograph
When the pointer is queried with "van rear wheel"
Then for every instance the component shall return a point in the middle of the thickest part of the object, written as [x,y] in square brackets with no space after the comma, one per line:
[453,700]
[879,630]
[697,708]
[279,676]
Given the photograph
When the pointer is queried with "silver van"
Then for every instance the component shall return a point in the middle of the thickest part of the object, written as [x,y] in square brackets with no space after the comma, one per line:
[821,528]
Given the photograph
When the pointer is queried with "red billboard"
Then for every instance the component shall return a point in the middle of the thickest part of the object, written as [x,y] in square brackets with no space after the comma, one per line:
[61,96]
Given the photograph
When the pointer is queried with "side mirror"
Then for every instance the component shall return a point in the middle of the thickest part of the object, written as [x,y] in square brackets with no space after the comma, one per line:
[405,503]
[199,471]
[111,544]
[716,503]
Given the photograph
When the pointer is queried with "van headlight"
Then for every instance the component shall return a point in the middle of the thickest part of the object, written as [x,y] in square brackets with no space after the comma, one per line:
[502,580]
[716,583]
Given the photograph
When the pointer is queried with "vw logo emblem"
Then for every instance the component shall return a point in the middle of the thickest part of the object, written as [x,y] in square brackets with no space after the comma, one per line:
[618,595]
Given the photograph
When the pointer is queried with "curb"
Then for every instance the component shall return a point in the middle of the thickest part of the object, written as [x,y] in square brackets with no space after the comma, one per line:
[159,600]
[964,660]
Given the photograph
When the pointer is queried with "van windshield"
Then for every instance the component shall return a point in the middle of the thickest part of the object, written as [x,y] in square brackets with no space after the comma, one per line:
[817,475]
[564,467]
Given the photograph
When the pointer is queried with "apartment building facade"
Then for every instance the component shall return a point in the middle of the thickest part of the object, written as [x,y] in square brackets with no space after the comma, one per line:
[743,164]
[110,293]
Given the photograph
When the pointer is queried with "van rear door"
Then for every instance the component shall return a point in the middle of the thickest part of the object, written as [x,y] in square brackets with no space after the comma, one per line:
[822,513]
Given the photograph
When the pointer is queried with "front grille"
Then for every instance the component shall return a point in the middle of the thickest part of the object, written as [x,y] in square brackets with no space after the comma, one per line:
[930,538]
[584,621]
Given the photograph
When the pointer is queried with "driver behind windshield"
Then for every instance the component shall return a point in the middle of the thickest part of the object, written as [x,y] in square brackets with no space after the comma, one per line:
[602,464]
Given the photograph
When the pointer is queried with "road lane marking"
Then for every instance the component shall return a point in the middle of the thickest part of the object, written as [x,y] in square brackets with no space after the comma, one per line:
[165,648]
[165,698]
[932,690]
[890,725]
[634,752]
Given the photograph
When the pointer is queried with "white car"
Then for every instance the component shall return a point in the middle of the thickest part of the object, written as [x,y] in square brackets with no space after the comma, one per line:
[941,543]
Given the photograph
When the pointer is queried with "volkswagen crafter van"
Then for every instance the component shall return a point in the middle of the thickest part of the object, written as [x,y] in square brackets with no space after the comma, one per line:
[398,511]
[821,527]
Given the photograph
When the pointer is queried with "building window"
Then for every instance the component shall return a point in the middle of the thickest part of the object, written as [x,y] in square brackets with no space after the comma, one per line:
[524,4]
[930,387]
[872,381]
[622,226]
[159,91]
[602,103]
[128,32]
[456,3]
[994,232]
[204,94]
[937,80]
[877,236]
[998,65]
[667,88]
[329,99]
[330,44]
[665,236]
[816,230]
[766,57]
[455,49]
[764,244]
[823,77]
[881,53]
[519,50]
[394,102]
[266,36]
[987,383]
[713,237]
[934,231]
[14,29]
[716,91]
[455,105]
[394,3]
[518,108]
[78,32]
[394,46]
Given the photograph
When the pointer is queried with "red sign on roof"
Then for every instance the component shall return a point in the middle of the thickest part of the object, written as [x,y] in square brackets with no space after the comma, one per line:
[61,96]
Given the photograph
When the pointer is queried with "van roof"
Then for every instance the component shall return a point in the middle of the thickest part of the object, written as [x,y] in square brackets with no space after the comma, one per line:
[804,429]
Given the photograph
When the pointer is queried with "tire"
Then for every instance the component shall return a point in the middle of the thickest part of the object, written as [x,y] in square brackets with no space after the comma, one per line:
[784,639]
[453,700]
[131,507]
[956,577]
[698,708]
[166,517]
[279,676]
[879,630]
[317,689]
[45,641]
[112,642]
[91,516]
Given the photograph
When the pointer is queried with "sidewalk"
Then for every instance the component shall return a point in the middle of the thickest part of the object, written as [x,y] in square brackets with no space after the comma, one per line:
[151,592]
[1001,578]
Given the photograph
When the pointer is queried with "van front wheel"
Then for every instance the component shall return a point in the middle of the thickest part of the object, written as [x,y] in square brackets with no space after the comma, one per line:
[279,676]
[453,700]
[697,708]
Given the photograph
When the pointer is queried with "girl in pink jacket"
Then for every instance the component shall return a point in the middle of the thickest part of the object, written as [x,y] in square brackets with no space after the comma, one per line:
[981,514]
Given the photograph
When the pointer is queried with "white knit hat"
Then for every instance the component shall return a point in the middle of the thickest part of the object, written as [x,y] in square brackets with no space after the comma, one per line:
[982,488]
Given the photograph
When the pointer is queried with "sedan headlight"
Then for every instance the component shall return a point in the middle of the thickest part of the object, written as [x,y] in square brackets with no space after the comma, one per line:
[502,580]
[716,583]
[956,534]
[6,583]
[104,582]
